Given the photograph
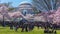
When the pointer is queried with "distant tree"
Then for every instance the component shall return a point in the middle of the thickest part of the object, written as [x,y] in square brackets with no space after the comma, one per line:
[36,11]
[9,6]
[10,9]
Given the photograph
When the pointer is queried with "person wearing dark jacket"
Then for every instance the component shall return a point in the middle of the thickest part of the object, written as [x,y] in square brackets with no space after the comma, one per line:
[24,25]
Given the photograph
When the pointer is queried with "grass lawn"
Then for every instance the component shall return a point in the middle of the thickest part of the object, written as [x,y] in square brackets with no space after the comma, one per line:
[6,30]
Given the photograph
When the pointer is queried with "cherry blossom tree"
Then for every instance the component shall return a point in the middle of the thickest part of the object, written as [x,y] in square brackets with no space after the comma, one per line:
[4,11]
[56,17]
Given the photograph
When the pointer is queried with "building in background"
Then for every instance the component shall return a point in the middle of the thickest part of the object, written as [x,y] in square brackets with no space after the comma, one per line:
[26,8]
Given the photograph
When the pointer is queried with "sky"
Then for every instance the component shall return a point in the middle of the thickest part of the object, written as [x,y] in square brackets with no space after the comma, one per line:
[15,3]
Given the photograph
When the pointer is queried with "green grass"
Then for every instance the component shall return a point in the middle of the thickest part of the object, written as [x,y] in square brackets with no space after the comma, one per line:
[6,30]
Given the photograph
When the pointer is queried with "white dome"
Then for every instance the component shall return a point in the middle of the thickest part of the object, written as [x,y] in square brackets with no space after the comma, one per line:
[25,2]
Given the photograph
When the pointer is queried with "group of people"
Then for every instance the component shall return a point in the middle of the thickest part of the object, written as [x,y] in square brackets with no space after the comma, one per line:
[23,24]
[29,26]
